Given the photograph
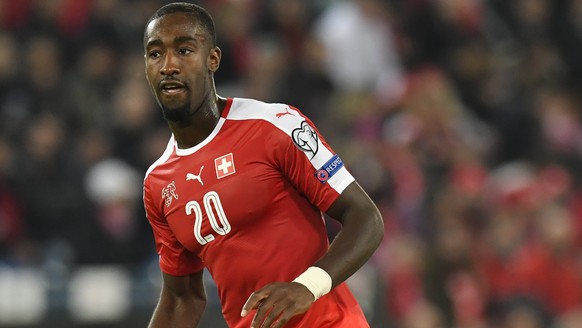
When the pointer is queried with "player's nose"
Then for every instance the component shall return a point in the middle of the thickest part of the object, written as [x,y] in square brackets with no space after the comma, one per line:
[170,65]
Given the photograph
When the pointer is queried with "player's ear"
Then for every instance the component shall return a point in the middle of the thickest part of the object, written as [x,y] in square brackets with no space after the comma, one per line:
[213,60]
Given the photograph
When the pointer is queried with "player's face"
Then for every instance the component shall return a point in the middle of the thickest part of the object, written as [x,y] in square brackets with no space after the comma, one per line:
[179,61]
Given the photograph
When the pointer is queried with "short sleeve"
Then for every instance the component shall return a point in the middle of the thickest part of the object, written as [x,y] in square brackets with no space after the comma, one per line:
[174,258]
[309,163]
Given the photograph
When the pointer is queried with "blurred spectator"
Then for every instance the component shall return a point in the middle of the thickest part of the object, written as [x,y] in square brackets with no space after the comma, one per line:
[359,48]
[113,188]
[11,214]
[133,118]
[48,184]
[304,83]
[234,38]
[11,111]
[89,87]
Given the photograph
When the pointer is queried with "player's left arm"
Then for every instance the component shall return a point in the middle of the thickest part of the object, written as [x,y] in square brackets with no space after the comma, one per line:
[361,233]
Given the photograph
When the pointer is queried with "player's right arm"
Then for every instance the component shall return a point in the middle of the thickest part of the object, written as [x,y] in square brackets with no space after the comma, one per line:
[182,301]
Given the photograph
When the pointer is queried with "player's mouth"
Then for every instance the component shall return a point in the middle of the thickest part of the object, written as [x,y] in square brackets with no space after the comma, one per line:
[172,87]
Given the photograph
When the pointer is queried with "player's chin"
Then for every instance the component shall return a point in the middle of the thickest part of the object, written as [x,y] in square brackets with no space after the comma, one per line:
[175,113]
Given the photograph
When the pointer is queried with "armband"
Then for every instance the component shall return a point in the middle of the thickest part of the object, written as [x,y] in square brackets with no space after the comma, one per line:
[316,280]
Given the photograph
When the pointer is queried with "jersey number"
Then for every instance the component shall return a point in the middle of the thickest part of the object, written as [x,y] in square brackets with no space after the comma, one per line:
[213,209]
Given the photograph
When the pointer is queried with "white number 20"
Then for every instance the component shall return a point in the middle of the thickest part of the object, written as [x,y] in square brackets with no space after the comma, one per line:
[213,208]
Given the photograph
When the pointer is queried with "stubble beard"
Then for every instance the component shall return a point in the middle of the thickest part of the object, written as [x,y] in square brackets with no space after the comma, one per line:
[177,115]
[183,113]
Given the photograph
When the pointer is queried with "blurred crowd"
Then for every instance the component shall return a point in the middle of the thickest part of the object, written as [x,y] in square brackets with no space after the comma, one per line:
[461,118]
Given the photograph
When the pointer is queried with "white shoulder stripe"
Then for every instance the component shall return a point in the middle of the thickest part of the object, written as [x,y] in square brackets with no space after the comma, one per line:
[296,127]
[163,158]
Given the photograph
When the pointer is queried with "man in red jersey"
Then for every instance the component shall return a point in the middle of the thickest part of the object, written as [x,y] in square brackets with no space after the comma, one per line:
[240,191]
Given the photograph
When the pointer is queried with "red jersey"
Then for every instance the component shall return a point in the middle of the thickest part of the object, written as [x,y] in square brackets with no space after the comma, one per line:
[246,204]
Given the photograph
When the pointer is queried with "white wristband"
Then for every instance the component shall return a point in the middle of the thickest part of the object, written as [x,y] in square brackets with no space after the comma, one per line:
[316,280]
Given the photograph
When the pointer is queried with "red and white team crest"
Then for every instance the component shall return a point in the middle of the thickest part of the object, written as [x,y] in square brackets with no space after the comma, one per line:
[224,165]
[169,192]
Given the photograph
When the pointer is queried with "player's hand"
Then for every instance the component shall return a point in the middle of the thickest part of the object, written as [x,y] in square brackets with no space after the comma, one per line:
[276,303]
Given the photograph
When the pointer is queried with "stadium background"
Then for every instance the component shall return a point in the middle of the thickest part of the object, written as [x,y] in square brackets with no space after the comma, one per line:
[461,118]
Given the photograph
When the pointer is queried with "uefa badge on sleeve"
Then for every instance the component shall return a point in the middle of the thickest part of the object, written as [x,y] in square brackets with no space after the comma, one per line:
[322,175]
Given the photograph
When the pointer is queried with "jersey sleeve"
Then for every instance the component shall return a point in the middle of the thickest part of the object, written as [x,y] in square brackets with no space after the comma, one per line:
[309,163]
[174,258]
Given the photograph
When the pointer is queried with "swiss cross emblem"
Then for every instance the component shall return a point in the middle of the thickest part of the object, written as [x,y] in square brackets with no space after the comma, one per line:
[224,165]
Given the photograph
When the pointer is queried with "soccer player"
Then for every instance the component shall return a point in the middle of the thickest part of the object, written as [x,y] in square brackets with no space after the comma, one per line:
[240,191]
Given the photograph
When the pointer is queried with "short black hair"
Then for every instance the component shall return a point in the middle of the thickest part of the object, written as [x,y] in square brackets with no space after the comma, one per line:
[200,14]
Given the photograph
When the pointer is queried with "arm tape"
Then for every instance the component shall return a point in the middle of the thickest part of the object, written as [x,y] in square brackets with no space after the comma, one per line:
[316,280]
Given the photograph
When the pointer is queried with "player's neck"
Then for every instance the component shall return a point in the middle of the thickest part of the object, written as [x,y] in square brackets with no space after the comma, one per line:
[201,124]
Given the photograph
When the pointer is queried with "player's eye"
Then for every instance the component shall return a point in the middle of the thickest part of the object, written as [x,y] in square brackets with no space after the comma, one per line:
[154,54]
[184,51]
